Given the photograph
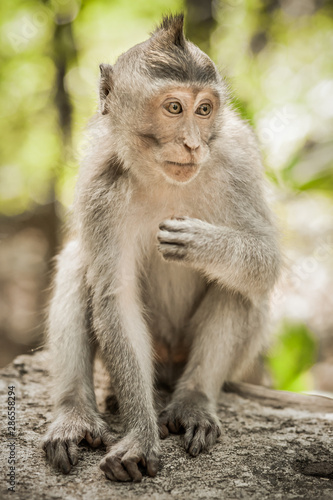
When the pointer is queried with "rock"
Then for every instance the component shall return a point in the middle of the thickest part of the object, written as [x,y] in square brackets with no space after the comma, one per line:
[268,450]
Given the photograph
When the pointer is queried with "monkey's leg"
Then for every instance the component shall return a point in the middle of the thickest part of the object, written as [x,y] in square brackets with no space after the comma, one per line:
[72,353]
[227,336]
[126,349]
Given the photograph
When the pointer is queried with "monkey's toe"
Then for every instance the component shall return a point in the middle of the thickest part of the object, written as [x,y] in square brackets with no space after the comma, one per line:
[114,469]
[164,431]
[62,454]
[64,435]
[201,437]
[94,441]
[191,416]
[170,421]
[127,459]
[127,468]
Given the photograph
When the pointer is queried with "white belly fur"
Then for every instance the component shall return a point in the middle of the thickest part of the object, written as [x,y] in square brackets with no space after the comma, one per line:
[171,292]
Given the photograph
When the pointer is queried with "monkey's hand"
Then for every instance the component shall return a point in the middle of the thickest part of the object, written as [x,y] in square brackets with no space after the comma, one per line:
[67,431]
[239,259]
[191,414]
[122,461]
[183,238]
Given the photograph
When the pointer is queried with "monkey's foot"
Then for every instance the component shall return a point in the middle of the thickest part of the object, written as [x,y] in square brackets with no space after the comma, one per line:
[192,416]
[124,458]
[67,431]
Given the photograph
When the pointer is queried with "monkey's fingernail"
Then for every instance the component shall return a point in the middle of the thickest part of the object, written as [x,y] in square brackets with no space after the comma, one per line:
[194,452]
[152,468]
[88,437]
[164,432]
[173,427]
[65,467]
[96,442]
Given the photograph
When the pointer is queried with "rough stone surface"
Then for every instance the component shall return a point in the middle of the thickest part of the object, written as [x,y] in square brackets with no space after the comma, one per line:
[265,452]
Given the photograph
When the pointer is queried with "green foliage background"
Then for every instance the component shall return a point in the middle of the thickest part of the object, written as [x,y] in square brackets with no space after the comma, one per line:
[277,58]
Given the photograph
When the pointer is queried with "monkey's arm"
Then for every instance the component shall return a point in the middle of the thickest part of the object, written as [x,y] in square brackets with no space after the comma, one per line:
[118,323]
[72,349]
[246,261]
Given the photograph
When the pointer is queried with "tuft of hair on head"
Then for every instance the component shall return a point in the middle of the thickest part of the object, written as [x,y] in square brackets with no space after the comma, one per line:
[172,26]
[169,55]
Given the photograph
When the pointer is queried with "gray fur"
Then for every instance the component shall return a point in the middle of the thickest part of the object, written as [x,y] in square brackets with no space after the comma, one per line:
[184,264]
[168,55]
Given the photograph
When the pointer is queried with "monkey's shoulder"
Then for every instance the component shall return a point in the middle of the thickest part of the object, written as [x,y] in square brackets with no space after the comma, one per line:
[237,152]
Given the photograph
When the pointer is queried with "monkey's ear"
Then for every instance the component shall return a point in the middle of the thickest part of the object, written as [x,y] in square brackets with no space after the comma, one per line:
[105,86]
[173,28]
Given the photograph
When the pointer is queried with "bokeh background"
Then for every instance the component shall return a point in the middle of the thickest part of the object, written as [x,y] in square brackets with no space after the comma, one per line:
[277,58]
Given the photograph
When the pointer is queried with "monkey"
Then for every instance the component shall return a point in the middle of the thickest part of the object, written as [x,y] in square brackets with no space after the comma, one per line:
[172,257]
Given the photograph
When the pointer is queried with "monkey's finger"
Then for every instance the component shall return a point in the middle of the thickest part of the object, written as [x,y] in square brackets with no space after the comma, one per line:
[198,442]
[58,457]
[109,475]
[174,426]
[168,422]
[188,437]
[108,440]
[167,238]
[48,447]
[181,217]
[164,431]
[107,471]
[170,251]
[152,466]
[171,240]
[211,437]
[114,465]
[73,453]
[131,466]
[173,225]
[217,428]
[119,471]
[94,441]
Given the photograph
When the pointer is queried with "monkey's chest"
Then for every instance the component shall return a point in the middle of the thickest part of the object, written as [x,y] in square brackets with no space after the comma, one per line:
[171,293]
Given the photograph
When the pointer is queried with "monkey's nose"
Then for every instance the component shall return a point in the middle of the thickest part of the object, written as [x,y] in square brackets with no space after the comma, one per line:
[191,143]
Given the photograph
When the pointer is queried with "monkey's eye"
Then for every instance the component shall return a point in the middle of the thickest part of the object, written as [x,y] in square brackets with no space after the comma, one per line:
[204,109]
[173,107]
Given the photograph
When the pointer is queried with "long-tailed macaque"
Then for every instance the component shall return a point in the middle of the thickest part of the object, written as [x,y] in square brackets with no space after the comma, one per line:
[172,258]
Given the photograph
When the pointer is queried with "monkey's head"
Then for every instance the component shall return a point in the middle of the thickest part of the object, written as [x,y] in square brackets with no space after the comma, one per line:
[163,101]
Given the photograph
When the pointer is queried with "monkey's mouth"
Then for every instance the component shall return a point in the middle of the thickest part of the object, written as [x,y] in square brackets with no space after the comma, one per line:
[191,164]
[180,172]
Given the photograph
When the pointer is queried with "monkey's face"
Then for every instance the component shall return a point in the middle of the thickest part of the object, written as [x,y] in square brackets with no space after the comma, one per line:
[178,126]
